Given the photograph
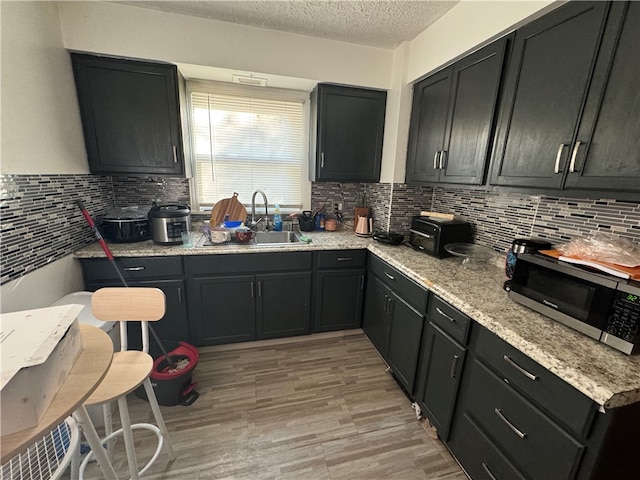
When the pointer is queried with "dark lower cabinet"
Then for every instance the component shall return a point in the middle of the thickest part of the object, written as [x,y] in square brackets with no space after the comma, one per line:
[338,297]
[244,297]
[443,362]
[393,323]
[223,309]
[165,273]
[284,304]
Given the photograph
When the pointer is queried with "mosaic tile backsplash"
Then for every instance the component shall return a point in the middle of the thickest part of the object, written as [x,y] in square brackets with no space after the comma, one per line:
[40,221]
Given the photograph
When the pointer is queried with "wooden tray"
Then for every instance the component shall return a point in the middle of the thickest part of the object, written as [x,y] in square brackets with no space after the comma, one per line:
[231,206]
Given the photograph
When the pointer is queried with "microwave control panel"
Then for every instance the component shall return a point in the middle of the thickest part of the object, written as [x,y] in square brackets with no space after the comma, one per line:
[624,320]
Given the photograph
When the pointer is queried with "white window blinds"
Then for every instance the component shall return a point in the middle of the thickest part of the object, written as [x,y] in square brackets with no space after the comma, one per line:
[245,139]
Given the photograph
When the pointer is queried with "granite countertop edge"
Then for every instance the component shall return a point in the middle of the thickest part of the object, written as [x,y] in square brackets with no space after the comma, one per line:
[609,378]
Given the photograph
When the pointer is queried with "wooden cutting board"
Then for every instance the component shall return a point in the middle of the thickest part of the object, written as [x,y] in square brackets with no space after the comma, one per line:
[231,206]
[610,268]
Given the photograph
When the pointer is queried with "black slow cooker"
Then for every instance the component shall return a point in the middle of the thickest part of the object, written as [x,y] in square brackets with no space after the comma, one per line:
[127,224]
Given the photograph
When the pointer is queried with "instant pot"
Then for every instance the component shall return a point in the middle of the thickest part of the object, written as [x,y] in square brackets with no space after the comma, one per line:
[168,222]
[127,224]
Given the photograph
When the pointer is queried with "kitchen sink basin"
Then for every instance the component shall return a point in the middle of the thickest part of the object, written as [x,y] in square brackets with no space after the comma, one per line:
[276,238]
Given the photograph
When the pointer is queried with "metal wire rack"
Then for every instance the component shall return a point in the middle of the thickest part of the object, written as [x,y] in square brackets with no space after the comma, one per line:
[48,458]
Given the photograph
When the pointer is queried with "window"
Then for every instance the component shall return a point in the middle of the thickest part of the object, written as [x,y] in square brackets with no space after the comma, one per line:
[248,138]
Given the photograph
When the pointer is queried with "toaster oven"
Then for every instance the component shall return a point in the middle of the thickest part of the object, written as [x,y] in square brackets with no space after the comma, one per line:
[430,235]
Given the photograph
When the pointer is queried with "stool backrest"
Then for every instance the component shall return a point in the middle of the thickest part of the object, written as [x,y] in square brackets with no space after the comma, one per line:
[129,304]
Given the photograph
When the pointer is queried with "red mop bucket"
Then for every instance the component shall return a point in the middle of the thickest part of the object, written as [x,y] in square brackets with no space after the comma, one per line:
[173,386]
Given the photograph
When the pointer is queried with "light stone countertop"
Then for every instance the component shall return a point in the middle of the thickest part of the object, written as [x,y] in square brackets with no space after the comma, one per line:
[610,378]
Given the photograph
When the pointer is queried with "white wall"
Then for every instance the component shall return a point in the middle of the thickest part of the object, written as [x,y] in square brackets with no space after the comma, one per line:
[142,33]
[42,287]
[41,129]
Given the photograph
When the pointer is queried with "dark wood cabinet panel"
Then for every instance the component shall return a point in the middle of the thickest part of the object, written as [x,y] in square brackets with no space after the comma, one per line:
[452,119]
[376,322]
[443,362]
[130,115]
[348,138]
[607,148]
[405,336]
[551,64]
[427,127]
[223,309]
[338,299]
[284,304]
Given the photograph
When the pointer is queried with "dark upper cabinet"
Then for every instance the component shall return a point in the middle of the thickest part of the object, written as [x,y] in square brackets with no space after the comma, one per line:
[606,153]
[348,125]
[452,119]
[551,64]
[130,115]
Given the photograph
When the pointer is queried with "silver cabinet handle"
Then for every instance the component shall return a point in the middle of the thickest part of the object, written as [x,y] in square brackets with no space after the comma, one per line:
[260,288]
[389,276]
[175,154]
[180,295]
[361,282]
[556,168]
[530,376]
[133,269]
[498,412]
[322,160]
[443,159]
[253,293]
[386,303]
[574,154]
[345,259]
[451,319]
[435,160]
[454,364]
[485,467]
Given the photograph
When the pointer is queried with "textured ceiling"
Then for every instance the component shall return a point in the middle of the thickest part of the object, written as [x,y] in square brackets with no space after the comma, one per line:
[377,23]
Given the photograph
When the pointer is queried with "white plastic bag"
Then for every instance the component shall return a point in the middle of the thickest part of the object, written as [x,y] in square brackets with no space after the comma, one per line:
[605,248]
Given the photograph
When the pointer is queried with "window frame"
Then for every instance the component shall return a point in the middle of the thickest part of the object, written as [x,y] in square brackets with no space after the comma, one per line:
[210,86]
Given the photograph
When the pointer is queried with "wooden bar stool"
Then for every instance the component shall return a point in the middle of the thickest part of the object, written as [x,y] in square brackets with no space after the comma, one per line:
[129,368]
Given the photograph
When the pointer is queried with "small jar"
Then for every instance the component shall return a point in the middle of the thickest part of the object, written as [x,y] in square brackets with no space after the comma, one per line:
[331,224]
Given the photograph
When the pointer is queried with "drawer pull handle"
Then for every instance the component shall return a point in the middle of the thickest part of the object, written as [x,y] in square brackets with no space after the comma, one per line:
[133,269]
[508,423]
[485,467]
[345,259]
[454,364]
[451,319]
[389,276]
[530,376]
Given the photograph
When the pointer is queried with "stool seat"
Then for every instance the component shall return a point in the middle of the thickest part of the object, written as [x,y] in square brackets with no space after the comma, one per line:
[128,371]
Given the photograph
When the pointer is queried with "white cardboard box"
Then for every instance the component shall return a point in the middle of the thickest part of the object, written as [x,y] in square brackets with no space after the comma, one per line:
[38,349]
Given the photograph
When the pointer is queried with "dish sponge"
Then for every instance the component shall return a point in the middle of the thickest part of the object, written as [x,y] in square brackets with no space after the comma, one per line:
[305,239]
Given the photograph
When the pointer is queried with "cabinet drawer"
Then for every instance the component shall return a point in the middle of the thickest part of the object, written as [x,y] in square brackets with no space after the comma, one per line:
[404,286]
[449,319]
[534,442]
[342,259]
[132,268]
[248,263]
[479,456]
[570,407]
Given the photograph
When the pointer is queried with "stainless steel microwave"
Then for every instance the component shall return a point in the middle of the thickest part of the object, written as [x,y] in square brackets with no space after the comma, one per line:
[601,306]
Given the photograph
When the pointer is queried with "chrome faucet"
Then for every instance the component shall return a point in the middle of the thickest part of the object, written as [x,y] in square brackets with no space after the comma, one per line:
[254,223]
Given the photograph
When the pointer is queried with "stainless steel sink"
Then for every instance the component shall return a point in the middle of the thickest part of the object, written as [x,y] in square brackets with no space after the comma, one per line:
[276,238]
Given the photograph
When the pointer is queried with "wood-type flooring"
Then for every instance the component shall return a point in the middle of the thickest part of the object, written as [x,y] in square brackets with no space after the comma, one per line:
[319,409]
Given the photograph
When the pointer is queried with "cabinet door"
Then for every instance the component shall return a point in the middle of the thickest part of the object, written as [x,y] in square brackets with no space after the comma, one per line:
[608,155]
[223,309]
[476,81]
[444,361]
[376,321]
[550,69]
[338,299]
[129,115]
[171,328]
[284,304]
[428,125]
[404,340]
[350,130]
